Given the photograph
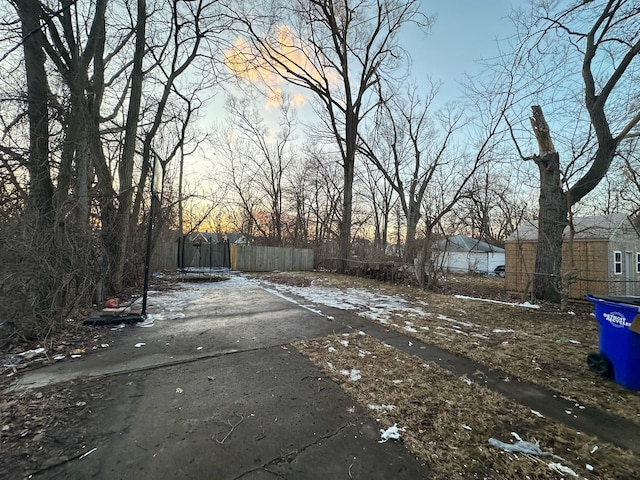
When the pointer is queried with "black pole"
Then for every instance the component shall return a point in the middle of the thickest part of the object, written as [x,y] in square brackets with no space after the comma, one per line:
[147,258]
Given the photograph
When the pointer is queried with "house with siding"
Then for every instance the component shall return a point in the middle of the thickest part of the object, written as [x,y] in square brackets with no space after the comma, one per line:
[462,254]
[605,250]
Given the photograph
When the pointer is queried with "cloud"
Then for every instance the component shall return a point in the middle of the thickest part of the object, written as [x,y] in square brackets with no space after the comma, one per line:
[298,99]
[288,56]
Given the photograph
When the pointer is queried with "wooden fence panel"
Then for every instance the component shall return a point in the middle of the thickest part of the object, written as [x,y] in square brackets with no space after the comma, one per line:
[250,258]
[164,257]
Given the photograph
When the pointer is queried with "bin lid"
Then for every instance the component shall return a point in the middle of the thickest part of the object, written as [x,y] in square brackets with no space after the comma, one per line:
[626,299]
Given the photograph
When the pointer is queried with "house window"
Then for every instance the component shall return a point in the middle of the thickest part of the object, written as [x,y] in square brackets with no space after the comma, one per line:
[617,263]
[637,262]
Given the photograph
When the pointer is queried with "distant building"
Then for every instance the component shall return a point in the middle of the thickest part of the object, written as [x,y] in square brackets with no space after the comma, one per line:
[462,254]
[606,255]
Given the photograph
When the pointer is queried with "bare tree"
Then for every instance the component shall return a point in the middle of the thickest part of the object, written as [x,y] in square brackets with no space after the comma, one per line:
[421,146]
[338,50]
[382,198]
[257,158]
[601,43]
[492,208]
[99,77]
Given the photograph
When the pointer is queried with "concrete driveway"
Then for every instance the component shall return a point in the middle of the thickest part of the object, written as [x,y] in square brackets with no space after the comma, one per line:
[208,388]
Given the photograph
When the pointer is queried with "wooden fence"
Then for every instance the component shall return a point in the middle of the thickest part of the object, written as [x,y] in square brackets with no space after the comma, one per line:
[170,256]
[251,258]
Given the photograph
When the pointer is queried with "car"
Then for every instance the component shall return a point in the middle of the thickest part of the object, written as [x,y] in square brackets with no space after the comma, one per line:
[500,271]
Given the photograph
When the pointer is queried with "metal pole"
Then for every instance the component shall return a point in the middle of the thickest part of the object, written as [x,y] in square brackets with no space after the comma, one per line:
[147,259]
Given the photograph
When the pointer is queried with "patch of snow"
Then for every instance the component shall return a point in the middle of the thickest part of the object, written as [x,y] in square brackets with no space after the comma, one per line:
[558,467]
[520,446]
[480,335]
[331,349]
[391,433]
[409,328]
[503,330]
[381,407]
[141,344]
[353,374]
[525,304]
[529,305]
[376,306]
[536,413]
[344,343]
[467,427]
[459,322]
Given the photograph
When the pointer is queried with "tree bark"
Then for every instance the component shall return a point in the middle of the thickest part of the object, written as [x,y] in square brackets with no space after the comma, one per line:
[553,211]
[552,221]
[412,215]
[41,185]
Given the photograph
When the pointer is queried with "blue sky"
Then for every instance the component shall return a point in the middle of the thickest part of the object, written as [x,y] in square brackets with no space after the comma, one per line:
[464,32]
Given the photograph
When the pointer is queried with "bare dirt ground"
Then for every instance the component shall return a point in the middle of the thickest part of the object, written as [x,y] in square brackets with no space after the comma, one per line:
[446,420]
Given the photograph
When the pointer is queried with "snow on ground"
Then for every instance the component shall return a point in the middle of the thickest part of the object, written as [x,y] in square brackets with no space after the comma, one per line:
[525,304]
[374,306]
[393,310]
[170,304]
[385,309]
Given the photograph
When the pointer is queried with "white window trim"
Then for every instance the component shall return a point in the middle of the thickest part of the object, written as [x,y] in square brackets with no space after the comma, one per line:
[637,262]
[617,255]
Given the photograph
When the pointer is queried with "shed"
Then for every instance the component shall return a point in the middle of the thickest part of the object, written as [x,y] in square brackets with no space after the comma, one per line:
[462,254]
[605,251]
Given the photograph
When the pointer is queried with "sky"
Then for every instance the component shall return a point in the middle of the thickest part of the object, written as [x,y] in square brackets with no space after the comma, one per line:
[464,32]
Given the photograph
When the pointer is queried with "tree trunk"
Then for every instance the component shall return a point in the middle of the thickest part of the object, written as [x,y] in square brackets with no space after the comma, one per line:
[41,186]
[345,224]
[125,169]
[552,215]
[551,224]
[413,218]
[351,136]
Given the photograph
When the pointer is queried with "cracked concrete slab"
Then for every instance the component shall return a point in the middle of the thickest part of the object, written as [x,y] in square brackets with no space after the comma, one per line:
[269,413]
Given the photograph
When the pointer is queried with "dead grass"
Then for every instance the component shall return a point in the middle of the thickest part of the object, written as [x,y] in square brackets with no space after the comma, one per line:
[544,346]
[448,421]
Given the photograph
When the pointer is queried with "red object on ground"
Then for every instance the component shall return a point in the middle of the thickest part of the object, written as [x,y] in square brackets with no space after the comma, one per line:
[111,303]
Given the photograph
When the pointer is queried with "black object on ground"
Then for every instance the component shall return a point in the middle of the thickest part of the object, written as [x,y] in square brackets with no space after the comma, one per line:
[599,364]
[98,319]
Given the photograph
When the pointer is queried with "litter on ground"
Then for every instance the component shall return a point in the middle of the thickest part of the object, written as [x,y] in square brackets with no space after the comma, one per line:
[558,467]
[520,446]
[391,433]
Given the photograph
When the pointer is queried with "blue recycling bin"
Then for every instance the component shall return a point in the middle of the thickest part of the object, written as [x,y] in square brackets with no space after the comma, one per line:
[619,355]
